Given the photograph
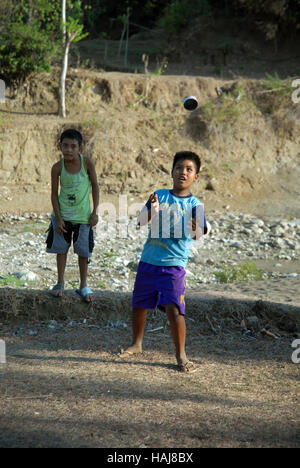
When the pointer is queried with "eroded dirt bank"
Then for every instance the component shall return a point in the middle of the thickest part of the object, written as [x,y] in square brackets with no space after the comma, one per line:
[248,138]
[225,307]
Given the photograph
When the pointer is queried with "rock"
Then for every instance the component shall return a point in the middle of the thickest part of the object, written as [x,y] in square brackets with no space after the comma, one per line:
[279,243]
[265,332]
[30,243]
[290,244]
[189,273]
[210,186]
[210,261]
[235,244]
[133,266]
[52,324]
[26,276]
[252,323]
[234,239]
[277,230]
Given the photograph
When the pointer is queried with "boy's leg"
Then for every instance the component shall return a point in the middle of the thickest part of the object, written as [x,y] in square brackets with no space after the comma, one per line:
[58,244]
[178,331]
[144,297]
[61,260]
[83,269]
[83,246]
[138,326]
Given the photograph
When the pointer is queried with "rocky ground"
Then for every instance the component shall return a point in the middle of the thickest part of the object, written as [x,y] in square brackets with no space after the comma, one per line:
[240,248]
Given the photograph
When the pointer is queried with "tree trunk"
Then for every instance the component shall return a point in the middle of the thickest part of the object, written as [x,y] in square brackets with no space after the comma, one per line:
[64,68]
[62,84]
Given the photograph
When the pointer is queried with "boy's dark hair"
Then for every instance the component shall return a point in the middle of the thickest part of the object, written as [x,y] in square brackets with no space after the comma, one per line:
[187,155]
[73,135]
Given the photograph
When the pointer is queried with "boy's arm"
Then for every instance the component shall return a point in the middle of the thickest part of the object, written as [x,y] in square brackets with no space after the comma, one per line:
[197,230]
[55,173]
[199,225]
[93,220]
[146,213]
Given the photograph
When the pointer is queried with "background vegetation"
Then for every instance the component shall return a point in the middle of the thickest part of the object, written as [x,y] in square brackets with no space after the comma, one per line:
[30,30]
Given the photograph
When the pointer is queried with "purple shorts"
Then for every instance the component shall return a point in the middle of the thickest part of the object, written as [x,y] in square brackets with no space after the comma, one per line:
[157,286]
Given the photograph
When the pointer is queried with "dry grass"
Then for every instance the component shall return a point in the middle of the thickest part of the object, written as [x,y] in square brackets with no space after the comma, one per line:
[68,388]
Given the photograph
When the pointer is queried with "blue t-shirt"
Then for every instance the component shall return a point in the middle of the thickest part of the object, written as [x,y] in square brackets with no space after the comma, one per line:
[169,240]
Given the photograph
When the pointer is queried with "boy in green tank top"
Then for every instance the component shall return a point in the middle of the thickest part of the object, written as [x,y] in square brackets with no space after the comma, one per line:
[72,215]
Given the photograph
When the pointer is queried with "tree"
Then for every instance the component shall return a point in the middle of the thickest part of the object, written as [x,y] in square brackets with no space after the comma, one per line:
[272,17]
[72,31]
[29,32]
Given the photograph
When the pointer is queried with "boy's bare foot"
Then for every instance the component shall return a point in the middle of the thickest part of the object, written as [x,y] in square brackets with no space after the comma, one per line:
[57,290]
[134,349]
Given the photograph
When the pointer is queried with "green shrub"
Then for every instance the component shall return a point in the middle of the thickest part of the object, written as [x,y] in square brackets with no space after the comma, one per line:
[178,14]
[23,51]
[274,83]
[28,38]
[238,273]
[12,281]
[108,258]
[227,110]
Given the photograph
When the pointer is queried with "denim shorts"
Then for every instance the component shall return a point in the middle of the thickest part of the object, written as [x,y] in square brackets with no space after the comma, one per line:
[81,234]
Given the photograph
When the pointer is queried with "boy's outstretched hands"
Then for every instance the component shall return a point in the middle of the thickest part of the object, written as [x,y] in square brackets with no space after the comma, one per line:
[195,229]
[154,202]
[145,215]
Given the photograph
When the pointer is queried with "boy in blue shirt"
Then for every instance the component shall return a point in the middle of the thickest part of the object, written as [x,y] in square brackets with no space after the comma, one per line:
[177,218]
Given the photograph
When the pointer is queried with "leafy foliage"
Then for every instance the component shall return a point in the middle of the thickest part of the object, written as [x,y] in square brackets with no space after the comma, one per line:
[271,16]
[30,30]
[179,12]
[28,38]
[243,272]
[105,16]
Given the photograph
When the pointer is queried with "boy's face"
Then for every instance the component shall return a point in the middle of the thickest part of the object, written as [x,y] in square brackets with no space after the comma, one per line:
[184,174]
[70,148]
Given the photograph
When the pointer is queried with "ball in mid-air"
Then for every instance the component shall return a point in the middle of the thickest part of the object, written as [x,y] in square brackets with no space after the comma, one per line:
[190,103]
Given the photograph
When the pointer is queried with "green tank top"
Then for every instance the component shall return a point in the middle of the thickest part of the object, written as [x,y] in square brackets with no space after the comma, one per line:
[74,197]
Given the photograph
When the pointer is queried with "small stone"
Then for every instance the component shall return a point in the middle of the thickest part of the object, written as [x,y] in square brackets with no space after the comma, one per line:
[252,323]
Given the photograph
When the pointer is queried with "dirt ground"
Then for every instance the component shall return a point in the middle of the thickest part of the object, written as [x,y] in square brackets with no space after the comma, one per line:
[66,386]
[69,389]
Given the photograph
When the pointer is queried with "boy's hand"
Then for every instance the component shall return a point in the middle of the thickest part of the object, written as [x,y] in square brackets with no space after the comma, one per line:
[154,202]
[61,227]
[145,215]
[195,230]
[93,219]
